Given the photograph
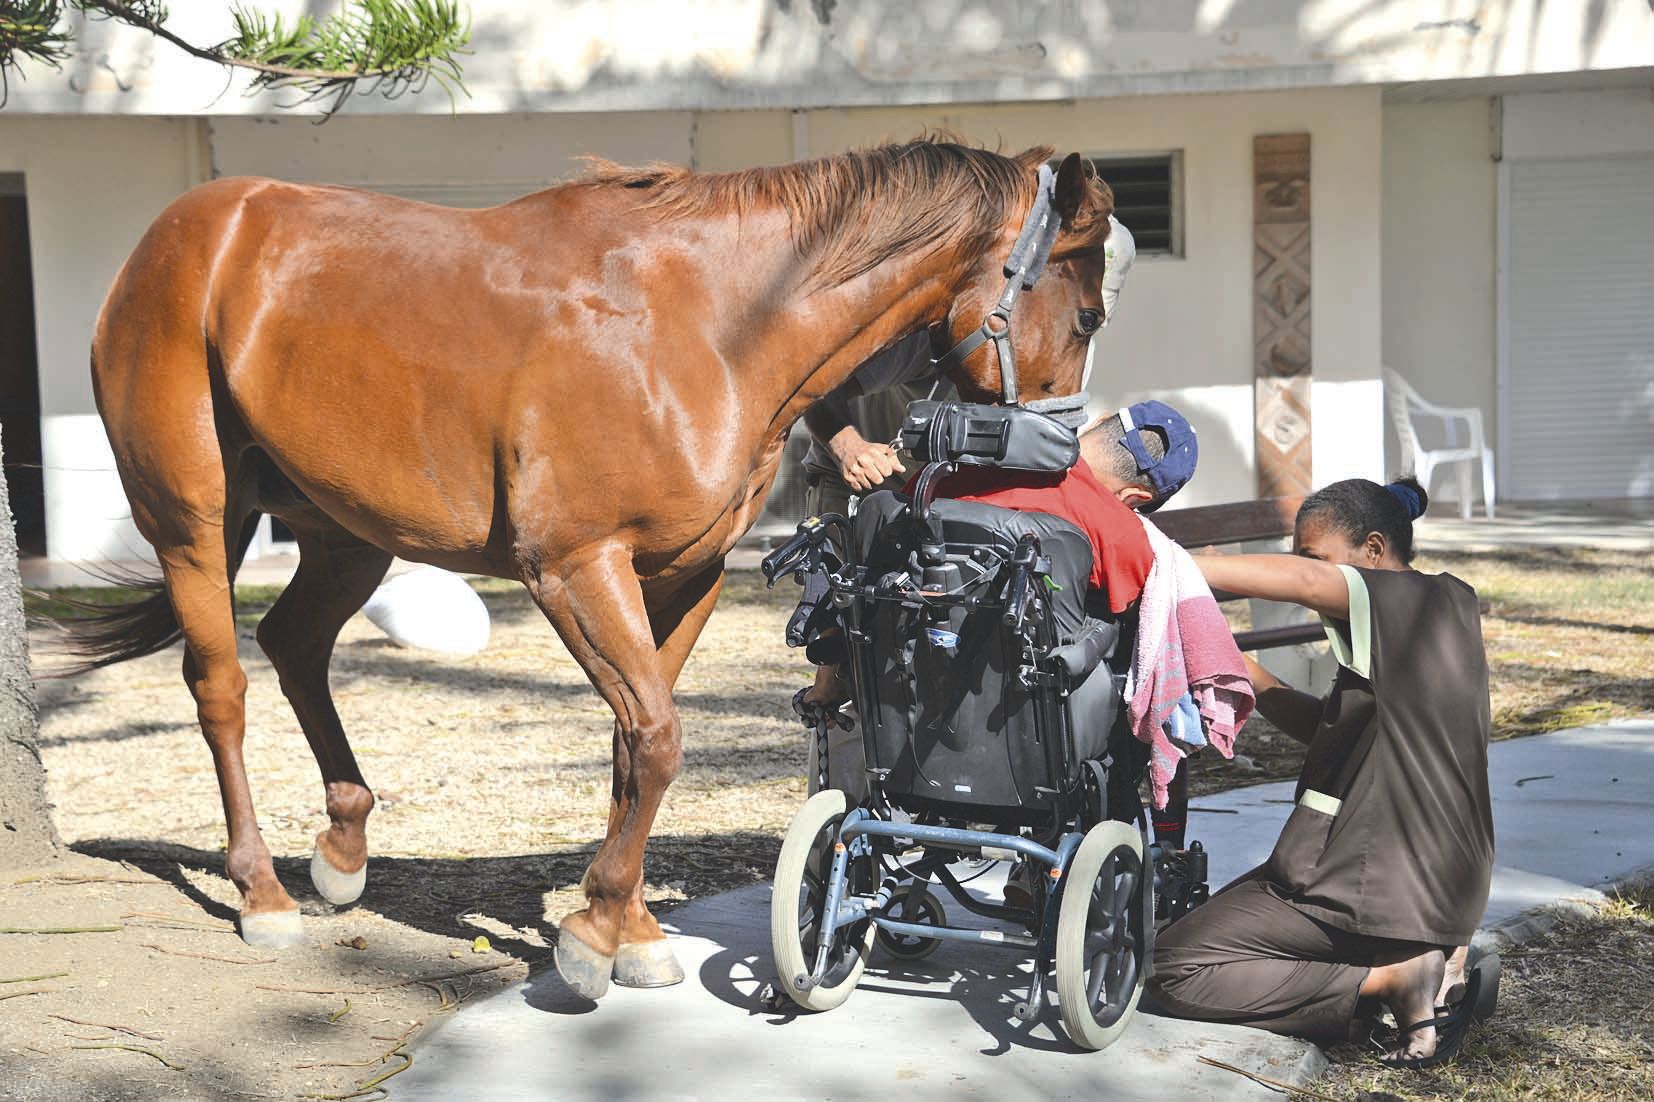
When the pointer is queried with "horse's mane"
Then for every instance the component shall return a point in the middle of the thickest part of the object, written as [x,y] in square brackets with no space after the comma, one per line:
[852,211]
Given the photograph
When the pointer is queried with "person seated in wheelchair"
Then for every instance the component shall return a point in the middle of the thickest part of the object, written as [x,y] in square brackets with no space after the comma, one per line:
[1131,461]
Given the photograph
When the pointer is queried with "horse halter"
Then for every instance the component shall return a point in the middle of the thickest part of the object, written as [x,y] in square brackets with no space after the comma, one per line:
[1022,269]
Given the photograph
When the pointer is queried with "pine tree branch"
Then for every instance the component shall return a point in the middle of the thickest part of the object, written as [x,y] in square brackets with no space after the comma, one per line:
[383,46]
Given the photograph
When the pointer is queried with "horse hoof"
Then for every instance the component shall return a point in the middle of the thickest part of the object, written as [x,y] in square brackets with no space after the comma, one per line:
[647,964]
[338,888]
[273,929]
[583,968]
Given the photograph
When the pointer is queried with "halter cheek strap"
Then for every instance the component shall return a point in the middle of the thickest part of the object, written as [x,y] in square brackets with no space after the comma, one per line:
[1023,267]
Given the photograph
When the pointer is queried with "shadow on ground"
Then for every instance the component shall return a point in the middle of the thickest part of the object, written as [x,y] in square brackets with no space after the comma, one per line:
[436,895]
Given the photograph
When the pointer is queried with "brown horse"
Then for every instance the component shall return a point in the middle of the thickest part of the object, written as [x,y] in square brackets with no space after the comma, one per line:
[586,390]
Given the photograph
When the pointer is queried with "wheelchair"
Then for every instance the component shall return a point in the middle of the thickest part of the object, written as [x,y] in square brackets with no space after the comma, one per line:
[989,691]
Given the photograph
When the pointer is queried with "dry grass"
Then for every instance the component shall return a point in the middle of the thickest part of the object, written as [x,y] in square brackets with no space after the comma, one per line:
[1570,642]
[1569,634]
[492,775]
[507,752]
[1574,1021]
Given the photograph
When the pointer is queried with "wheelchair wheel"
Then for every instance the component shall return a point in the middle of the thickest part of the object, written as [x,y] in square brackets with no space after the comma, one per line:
[925,910]
[796,902]
[1102,942]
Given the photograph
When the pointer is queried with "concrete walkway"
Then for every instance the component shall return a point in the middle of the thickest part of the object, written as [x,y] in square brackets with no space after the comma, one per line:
[1626,525]
[1572,811]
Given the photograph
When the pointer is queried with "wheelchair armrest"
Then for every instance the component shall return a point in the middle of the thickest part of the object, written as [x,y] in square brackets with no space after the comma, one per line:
[1094,642]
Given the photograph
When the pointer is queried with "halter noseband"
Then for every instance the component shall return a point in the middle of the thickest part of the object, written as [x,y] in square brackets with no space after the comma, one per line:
[1022,268]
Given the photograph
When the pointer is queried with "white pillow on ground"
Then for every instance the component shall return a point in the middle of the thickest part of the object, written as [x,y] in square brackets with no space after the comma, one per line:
[431,609]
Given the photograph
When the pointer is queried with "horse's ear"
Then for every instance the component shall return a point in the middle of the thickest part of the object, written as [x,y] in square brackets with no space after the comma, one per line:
[1071,188]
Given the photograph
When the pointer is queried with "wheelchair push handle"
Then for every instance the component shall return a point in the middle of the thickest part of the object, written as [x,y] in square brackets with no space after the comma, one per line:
[802,551]
[1020,593]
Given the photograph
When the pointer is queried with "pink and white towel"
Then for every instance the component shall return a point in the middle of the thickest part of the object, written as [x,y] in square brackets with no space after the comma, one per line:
[1184,646]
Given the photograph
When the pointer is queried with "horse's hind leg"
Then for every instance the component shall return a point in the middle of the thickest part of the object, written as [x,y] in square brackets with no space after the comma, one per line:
[198,583]
[337,572]
[597,607]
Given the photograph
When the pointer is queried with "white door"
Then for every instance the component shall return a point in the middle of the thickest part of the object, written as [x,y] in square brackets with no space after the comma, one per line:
[1577,400]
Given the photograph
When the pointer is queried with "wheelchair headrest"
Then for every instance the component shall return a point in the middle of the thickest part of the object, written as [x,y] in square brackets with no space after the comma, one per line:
[988,436]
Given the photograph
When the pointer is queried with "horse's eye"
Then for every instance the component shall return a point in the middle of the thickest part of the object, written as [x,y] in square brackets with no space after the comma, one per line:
[1090,322]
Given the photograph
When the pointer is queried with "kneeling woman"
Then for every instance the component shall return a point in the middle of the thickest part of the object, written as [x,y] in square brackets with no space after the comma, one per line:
[1381,873]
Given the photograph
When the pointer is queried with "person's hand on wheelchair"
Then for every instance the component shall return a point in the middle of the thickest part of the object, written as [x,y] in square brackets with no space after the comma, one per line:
[863,464]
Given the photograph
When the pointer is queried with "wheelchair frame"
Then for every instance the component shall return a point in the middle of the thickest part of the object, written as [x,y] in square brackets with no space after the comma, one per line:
[866,884]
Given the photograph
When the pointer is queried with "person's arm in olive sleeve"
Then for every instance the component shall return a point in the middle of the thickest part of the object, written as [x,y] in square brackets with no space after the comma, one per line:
[831,415]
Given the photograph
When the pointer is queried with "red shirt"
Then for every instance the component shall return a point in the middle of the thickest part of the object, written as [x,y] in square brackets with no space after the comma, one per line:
[1120,553]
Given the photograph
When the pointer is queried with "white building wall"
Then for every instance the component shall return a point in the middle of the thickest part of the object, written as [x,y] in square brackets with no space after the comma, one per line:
[529,150]
[93,186]
[1184,328]
[1184,331]
[1443,160]
[632,55]
[1440,199]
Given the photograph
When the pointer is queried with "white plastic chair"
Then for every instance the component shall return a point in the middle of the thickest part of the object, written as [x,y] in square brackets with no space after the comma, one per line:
[1404,404]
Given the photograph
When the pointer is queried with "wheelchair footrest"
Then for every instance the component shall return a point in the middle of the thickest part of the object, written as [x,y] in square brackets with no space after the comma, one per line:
[1179,881]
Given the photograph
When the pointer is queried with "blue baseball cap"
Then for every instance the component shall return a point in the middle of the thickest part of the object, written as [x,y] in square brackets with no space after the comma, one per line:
[1172,471]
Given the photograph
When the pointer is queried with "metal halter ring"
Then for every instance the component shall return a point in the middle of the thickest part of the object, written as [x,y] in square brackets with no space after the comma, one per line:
[1022,269]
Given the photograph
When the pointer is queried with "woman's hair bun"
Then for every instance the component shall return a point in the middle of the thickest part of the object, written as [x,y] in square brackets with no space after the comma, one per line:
[1407,490]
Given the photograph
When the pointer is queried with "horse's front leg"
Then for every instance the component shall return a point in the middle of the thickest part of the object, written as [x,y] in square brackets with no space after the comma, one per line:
[596,604]
[676,616]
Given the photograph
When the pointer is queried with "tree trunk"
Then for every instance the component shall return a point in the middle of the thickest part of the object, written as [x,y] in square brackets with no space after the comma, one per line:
[27,836]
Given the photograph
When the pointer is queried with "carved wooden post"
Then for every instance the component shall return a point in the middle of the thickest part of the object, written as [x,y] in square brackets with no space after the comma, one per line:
[1281,315]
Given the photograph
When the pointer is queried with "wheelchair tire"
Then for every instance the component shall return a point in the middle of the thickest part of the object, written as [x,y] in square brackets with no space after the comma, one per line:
[927,911]
[795,908]
[1102,945]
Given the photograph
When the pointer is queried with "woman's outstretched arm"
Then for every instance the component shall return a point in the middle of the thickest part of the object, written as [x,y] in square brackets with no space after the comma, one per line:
[1295,713]
[1318,586]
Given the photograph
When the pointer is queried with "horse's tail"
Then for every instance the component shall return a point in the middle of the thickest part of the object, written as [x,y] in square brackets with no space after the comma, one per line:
[97,634]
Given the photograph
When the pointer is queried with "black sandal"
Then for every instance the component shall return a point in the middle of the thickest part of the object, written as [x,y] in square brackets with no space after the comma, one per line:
[1452,1025]
[1487,1001]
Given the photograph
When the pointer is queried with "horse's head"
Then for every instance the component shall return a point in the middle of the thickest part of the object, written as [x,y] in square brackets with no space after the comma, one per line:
[1046,299]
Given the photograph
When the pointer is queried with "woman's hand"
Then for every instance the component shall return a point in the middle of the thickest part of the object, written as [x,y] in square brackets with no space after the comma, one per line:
[1318,586]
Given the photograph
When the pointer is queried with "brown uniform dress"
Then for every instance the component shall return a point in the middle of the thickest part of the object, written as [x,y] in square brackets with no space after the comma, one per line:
[1390,846]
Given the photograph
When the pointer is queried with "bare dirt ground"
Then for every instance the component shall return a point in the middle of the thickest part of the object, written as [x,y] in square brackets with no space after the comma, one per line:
[492,779]
[492,776]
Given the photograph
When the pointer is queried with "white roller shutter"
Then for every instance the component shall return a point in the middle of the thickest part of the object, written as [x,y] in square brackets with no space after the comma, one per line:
[1578,405]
